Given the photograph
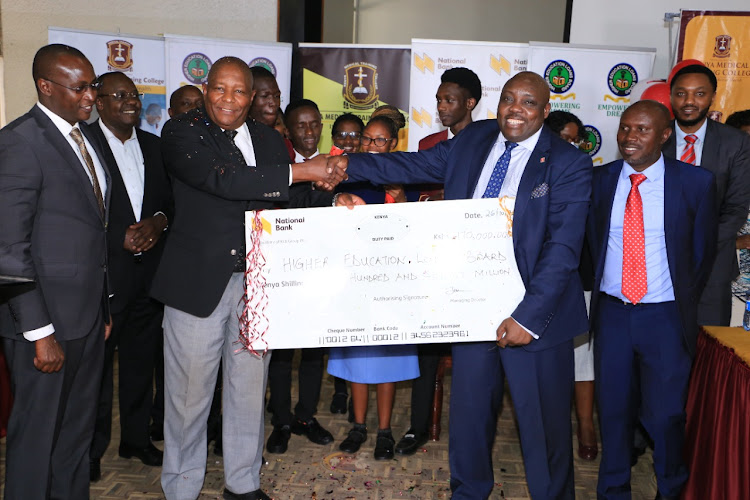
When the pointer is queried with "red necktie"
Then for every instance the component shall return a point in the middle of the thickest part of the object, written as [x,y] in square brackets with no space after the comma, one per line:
[688,154]
[634,279]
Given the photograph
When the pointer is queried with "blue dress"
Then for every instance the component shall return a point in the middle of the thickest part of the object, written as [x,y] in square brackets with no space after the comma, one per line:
[381,363]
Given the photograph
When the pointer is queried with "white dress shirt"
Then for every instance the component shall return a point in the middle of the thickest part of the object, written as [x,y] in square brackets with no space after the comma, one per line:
[298,158]
[697,147]
[130,163]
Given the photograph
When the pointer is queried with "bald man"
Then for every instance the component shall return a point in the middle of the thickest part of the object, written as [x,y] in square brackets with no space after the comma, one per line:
[53,210]
[514,156]
[652,230]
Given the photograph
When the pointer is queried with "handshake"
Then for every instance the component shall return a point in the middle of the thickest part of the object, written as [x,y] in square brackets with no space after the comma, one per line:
[324,170]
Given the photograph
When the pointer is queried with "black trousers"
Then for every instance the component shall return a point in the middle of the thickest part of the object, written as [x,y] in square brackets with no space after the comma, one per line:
[423,387]
[137,335]
[280,383]
[52,420]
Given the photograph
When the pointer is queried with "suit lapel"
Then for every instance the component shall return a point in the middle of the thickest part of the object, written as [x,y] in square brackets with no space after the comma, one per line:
[711,146]
[672,197]
[477,157]
[532,173]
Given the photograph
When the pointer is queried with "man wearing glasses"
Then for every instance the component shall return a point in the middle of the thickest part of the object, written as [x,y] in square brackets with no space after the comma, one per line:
[140,209]
[53,210]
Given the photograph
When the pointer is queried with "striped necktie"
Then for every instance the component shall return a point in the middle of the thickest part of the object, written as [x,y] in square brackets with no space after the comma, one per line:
[688,154]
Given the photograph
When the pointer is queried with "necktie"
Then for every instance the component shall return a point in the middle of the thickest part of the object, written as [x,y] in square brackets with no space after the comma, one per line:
[499,172]
[78,139]
[688,154]
[634,278]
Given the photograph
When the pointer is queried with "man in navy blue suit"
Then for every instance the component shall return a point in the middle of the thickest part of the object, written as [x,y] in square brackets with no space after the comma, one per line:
[551,180]
[652,230]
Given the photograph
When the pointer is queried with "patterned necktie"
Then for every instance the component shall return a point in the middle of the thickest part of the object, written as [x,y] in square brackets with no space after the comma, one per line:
[688,154]
[499,172]
[634,278]
[78,139]
[232,134]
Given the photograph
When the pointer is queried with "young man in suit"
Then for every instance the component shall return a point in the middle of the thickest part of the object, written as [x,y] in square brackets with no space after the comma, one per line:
[140,208]
[725,152]
[53,198]
[221,164]
[551,181]
[652,234]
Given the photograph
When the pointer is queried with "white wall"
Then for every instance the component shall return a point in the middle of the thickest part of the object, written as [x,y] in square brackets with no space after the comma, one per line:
[637,23]
[25,22]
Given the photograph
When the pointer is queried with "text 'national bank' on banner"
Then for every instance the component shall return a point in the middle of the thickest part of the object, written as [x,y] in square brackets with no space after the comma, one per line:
[401,273]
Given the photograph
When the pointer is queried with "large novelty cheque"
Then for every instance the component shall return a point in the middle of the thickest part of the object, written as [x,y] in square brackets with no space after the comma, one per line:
[403,273]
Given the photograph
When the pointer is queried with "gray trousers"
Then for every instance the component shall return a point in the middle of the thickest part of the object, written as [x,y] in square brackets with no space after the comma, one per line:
[193,349]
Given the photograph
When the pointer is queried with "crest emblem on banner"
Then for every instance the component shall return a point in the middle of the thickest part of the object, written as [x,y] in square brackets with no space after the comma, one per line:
[361,85]
[264,62]
[592,140]
[723,46]
[119,55]
[195,67]
[621,79]
[560,76]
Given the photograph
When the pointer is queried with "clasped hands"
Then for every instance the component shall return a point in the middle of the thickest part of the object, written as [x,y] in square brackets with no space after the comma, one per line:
[323,170]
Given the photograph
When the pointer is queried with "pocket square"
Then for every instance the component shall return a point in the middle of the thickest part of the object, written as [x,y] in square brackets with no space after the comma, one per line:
[540,190]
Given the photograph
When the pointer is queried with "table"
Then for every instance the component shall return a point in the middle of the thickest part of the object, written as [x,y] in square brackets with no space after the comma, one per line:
[717,446]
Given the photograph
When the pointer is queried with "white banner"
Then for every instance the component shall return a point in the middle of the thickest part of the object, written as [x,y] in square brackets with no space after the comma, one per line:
[141,58]
[402,273]
[593,83]
[189,59]
[494,64]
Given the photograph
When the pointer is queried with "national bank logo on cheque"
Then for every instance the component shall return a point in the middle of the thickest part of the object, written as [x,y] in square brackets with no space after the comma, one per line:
[287,223]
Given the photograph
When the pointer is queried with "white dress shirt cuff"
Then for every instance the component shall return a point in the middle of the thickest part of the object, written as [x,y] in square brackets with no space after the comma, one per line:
[165,218]
[536,337]
[291,176]
[39,333]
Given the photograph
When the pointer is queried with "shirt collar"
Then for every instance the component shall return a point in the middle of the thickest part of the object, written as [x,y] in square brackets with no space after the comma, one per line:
[109,135]
[654,173]
[63,126]
[700,133]
[299,157]
[451,135]
[528,144]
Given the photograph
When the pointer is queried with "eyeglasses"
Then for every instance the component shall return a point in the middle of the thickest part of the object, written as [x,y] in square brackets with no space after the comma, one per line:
[121,96]
[78,90]
[345,135]
[379,141]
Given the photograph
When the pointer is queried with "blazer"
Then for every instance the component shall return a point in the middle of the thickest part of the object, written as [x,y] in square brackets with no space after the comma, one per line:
[157,197]
[213,187]
[52,231]
[726,154]
[548,223]
[690,220]
[432,139]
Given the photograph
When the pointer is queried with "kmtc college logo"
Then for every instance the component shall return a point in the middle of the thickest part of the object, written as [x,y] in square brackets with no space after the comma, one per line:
[723,46]
[361,85]
[621,79]
[120,55]
[263,63]
[560,76]
[195,68]
[592,140]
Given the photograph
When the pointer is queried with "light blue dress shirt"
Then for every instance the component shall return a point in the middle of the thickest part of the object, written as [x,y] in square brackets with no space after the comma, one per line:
[657,266]
[680,142]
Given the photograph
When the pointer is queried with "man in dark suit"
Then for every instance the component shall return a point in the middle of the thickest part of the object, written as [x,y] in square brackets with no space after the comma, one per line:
[138,216]
[652,234]
[551,182]
[53,199]
[221,164]
[725,152]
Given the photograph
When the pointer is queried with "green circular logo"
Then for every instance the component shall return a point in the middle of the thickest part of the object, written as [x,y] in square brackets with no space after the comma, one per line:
[560,76]
[621,79]
[592,140]
[195,67]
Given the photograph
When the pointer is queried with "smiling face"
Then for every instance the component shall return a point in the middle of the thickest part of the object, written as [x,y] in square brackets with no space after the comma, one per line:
[305,127]
[377,132]
[228,95]
[347,136]
[643,130]
[267,101]
[68,71]
[691,97]
[120,114]
[523,106]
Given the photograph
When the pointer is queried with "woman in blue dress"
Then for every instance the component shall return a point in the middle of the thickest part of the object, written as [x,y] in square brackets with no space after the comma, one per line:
[380,365]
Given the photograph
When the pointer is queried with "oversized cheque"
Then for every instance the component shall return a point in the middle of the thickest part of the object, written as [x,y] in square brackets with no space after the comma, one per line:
[401,273]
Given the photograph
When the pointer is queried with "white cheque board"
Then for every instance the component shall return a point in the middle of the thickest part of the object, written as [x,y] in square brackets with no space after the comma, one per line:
[402,273]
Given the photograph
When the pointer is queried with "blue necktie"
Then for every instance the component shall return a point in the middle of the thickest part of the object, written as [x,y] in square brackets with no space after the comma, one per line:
[499,172]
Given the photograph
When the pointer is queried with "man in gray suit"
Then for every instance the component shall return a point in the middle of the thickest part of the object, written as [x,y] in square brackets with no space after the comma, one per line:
[53,199]
[725,152]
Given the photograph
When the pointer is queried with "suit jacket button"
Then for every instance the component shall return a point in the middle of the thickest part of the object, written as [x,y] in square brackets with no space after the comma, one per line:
[233,252]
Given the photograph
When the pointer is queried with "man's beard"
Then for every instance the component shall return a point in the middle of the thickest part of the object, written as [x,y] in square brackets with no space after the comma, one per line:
[693,121]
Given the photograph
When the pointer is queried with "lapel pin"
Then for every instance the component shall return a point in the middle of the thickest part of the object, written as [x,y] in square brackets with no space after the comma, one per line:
[544,158]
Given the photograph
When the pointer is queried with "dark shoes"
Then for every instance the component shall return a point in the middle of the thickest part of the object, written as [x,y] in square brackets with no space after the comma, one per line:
[588,452]
[410,443]
[312,430]
[253,495]
[150,455]
[279,439]
[384,445]
[354,440]
[95,470]
[338,403]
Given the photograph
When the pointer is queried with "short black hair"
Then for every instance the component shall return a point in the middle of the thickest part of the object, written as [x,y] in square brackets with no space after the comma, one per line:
[348,117]
[261,72]
[46,56]
[464,78]
[106,76]
[739,119]
[299,103]
[387,122]
[695,68]
[557,120]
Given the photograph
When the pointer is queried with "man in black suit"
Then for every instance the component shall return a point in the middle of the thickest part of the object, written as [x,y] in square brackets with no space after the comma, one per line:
[725,152]
[221,164]
[53,199]
[138,216]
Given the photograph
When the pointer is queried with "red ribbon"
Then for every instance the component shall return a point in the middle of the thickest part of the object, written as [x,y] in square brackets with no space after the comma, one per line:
[252,318]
